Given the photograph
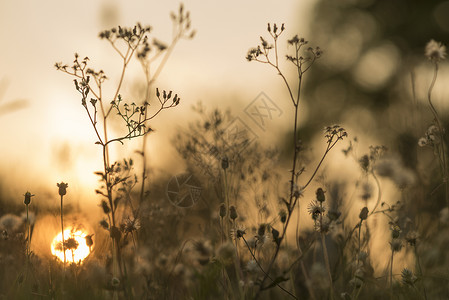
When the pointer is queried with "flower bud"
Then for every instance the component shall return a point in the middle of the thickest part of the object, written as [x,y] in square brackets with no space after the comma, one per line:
[233,212]
[62,188]
[283,215]
[225,163]
[363,213]
[27,198]
[320,197]
[104,205]
[222,210]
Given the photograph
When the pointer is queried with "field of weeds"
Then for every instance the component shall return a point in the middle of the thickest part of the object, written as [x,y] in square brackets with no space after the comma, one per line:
[348,199]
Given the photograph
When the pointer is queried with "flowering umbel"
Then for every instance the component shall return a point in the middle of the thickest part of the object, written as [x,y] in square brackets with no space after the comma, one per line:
[435,51]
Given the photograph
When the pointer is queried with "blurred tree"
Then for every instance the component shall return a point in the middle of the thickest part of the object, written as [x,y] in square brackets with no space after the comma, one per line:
[370,47]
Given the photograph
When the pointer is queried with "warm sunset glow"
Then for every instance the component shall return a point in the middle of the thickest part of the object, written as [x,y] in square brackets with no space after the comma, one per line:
[76,246]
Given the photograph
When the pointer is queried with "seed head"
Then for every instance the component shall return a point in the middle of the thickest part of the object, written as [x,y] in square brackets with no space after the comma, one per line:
[222,210]
[105,206]
[224,163]
[283,215]
[396,245]
[89,241]
[408,277]
[233,212]
[62,188]
[363,214]
[27,198]
[435,51]
[320,197]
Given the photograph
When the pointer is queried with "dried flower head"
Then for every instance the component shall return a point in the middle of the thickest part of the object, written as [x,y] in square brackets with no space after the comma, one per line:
[233,212]
[412,238]
[27,200]
[320,197]
[89,240]
[62,188]
[315,209]
[283,215]
[222,210]
[396,245]
[225,163]
[131,225]
[408,277]
[363,213]
[435,51]
[71,244]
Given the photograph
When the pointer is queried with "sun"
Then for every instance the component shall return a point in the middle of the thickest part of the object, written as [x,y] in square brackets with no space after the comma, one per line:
[77,243]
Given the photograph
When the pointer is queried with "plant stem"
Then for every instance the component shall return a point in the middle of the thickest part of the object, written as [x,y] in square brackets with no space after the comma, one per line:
[391,275]
[441,135]
[62,230]
[418,265]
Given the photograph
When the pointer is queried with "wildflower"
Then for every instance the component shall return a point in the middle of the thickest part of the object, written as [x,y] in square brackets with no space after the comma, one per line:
[364,162]
[131,225]
[435,51]
[27,200]
[283,215]
[363,214]
[89,241]
[422,142]
[62,188]
[275,235]
[224,163]
[320,197]
[241,232]
[233,212]
[395,231]
[297,191]
[261,230]
[71,244]
[251,266]
[222,210]
[408,277]
[104,224]
[396,245]
[105,206]
[323,225]
[412,238]
[315,209]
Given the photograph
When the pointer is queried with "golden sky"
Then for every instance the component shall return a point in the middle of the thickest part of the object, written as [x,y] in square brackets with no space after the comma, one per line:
[50,140]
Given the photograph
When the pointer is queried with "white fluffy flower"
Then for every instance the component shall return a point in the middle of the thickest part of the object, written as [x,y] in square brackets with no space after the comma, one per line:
[435,51]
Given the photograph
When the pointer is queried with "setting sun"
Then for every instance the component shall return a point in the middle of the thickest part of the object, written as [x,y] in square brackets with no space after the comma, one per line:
[77,243]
